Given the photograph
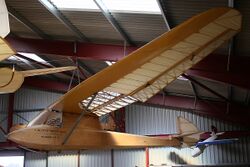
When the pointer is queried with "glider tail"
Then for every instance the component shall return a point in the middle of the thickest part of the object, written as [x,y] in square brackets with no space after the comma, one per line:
[185,127]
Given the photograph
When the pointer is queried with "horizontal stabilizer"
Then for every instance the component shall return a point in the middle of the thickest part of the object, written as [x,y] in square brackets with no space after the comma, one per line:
[45,71]
[215,142]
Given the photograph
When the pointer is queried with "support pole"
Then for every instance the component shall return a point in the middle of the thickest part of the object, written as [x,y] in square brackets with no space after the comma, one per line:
[147,156]
[47,159]
[78,158]
[10,111]
[112,158]
[25,156]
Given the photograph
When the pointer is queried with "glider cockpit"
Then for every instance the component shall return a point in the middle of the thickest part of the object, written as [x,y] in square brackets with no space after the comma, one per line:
[47,117]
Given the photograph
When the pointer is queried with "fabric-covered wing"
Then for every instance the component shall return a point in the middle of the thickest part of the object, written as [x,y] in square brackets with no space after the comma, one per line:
[5,50]
[149,69]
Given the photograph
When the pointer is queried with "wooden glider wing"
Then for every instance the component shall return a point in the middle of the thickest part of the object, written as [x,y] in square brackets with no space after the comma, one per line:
[5,50]
[146,71]
[46,71]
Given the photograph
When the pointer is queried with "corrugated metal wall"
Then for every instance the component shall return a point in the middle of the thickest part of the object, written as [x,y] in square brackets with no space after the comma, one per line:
[3,114]
[31,99]
[64,159]
[129,158]
[145,120]
[140,119]
[30,102]
[35,159]
[153,120]
[24,117]
[95,158]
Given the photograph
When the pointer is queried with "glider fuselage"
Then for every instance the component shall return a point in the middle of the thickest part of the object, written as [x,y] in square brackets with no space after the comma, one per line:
[87,135]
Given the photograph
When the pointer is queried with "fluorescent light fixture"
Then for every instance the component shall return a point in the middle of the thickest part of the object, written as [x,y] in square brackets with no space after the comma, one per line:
[15,161]
[109,63]
[75,5]
[33,57]
[133,6]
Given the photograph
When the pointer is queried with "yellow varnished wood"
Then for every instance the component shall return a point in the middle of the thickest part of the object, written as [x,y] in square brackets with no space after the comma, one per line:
[10,80]
[5,50]
[46,71]
[87,135]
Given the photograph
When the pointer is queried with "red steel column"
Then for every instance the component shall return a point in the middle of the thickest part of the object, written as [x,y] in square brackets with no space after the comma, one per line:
[147,156]
[112,158]
[10,111]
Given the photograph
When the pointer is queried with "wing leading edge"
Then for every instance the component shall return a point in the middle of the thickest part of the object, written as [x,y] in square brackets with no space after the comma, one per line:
[146,71]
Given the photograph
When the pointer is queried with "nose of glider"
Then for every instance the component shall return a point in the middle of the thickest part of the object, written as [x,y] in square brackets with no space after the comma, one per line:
[15,133]
[12,136]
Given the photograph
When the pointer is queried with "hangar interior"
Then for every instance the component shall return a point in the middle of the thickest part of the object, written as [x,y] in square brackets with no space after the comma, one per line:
[213,92]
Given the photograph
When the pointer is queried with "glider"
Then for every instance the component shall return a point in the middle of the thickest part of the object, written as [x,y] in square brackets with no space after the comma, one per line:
[72,122]
[10,79]
[190,136]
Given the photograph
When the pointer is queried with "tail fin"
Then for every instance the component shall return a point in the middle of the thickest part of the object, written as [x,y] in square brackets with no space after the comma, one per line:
[186,127]
[45,71]
[188,132]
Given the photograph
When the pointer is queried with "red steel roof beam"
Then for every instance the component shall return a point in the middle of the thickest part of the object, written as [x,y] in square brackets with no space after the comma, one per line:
[213,66]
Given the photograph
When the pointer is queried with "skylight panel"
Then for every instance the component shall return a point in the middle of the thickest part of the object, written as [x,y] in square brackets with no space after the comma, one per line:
[124,6]
[75,4]
[133,6]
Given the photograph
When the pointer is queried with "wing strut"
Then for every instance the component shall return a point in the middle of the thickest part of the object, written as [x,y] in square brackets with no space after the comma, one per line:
[71,130]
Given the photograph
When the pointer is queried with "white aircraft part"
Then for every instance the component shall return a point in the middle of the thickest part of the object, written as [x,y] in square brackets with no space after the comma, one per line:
[197,151]
[4,20]
[212,138]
